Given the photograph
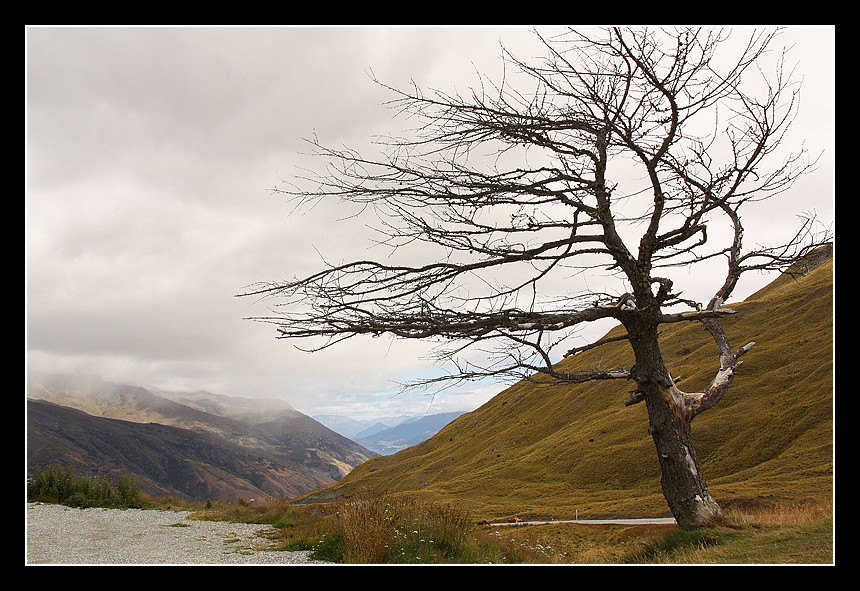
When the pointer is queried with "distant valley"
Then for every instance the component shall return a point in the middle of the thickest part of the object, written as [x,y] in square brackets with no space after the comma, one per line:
[390,434]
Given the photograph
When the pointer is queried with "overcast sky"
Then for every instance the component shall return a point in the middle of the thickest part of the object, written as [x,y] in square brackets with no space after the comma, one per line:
[150,154]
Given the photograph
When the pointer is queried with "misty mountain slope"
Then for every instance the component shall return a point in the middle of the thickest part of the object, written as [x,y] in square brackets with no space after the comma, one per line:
[561,450]
[247,410]
[133,403]
[291,432]
[168,461]
[293,447]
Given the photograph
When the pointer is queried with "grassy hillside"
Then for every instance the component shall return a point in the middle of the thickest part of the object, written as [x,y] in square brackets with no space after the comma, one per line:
[557,451]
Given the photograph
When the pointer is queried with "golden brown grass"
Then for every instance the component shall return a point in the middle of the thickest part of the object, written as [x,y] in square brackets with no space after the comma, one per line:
[797,534]
[387,530]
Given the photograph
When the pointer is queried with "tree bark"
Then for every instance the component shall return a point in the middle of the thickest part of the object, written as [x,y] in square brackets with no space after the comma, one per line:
[683,484]
[681,479]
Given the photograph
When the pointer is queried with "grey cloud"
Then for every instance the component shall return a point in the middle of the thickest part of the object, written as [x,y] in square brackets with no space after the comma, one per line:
[150,152]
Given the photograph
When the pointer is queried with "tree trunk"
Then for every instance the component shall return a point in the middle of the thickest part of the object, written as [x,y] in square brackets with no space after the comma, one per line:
[683,485]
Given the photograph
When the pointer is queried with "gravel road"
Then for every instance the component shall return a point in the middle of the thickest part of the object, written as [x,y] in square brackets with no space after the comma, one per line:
[60,535]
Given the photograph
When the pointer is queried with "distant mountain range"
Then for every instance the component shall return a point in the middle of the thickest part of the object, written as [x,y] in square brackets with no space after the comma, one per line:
[352,427]
[194,446]
[387,435]
[388,440]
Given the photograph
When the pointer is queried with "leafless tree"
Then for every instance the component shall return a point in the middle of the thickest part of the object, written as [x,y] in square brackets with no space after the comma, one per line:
[624,152]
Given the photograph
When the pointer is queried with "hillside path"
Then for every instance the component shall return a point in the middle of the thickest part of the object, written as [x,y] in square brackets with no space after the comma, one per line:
[56,534]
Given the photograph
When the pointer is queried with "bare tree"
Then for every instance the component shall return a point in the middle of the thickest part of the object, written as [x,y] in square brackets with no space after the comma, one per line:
[629,148]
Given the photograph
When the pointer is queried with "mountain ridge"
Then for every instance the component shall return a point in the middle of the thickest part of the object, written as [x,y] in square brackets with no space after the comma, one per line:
[298,452]
[167,461]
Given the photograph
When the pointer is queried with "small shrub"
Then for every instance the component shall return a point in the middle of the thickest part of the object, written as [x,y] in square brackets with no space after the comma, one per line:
[365,528]
[55,484]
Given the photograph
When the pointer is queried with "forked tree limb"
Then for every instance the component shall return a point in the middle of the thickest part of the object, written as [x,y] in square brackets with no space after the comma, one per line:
[686,405]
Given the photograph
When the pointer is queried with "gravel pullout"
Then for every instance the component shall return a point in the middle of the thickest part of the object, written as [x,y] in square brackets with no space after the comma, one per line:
[57,534]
